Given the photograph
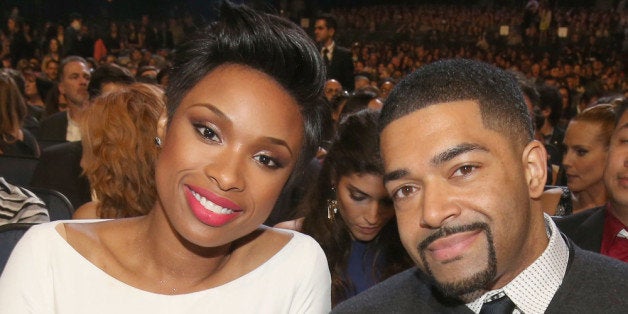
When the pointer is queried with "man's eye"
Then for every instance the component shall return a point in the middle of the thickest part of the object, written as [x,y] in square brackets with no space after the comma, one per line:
[464,171]
[403,192]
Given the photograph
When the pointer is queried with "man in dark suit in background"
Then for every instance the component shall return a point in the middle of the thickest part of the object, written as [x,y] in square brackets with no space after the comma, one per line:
[338,60]
[74,76]
[603,229]
[466,175]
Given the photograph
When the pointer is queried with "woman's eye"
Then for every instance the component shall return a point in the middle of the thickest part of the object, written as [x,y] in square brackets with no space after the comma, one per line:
[206,132]
[267,161]
[581,152]
[464,171]
[357,197]
[403,192]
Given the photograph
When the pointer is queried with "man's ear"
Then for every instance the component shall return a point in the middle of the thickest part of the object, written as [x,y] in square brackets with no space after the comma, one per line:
[534,160]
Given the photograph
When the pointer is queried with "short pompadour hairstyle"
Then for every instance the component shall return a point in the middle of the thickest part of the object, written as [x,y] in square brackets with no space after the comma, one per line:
[497,92]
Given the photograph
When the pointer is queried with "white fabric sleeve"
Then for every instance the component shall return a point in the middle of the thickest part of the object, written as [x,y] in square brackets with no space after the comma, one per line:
[314,292]
[25,282]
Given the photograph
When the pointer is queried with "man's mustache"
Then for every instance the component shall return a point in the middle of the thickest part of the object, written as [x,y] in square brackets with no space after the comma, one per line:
[445,231]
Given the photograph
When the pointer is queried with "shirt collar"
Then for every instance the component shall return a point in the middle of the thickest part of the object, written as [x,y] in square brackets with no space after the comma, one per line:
[330,48]
[73,132]
[533,289]
[612,226]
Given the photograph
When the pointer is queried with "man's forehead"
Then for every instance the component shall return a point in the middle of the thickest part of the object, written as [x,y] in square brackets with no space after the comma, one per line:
[75,66]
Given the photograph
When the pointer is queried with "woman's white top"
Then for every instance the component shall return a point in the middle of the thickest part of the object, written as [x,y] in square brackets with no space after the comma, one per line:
[46,275]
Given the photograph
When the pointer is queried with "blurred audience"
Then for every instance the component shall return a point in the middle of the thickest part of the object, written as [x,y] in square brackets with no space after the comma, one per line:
[15,140]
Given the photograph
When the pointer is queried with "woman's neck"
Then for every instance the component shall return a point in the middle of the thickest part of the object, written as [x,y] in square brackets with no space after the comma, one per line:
[36,101]
[547,129]
[177,265]
[589,198]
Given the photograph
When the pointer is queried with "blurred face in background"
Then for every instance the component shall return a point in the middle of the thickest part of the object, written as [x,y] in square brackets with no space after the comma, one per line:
[616,172]
[52,70]
[73,84]
[53,46]
[332,89]
[364,204]
[585,155]
[323,34]
[30,85]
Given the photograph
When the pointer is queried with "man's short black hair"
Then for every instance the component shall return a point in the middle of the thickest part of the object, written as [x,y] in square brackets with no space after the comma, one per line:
[496,91]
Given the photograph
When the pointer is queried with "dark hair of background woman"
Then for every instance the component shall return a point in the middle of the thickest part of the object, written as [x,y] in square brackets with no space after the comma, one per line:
[355,150]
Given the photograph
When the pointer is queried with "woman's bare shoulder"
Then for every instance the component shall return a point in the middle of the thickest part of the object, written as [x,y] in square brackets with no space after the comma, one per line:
[97,240]
[87,211]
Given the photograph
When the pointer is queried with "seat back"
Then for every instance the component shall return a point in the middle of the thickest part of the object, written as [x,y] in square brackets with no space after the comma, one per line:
[18,170]
[10,234]
[59,207]
[43,144]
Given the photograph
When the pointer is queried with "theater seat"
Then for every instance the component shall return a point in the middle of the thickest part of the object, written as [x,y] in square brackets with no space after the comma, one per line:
[59,207]
[17,170]
[10,234]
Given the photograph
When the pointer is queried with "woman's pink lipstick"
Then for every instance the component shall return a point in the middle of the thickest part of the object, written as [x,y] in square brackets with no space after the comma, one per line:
[210,208]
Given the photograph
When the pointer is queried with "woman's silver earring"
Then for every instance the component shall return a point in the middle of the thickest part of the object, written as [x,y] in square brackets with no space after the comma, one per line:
[332,209]
[158,141]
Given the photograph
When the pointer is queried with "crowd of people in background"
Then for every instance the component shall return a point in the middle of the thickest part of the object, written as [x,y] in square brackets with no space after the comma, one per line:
[579,48]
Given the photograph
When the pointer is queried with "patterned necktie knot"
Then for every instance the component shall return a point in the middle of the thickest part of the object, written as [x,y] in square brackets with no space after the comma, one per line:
[501,305]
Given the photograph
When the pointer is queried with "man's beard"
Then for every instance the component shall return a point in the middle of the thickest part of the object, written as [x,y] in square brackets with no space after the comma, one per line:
[477,281]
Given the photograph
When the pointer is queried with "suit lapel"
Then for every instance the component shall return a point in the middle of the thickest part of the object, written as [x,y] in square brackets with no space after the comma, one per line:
[589,234]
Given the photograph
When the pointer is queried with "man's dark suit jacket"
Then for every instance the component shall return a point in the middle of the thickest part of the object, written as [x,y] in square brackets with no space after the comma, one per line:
[54,127]
[341,67]
[60,169]
[585,229]
[593,284]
